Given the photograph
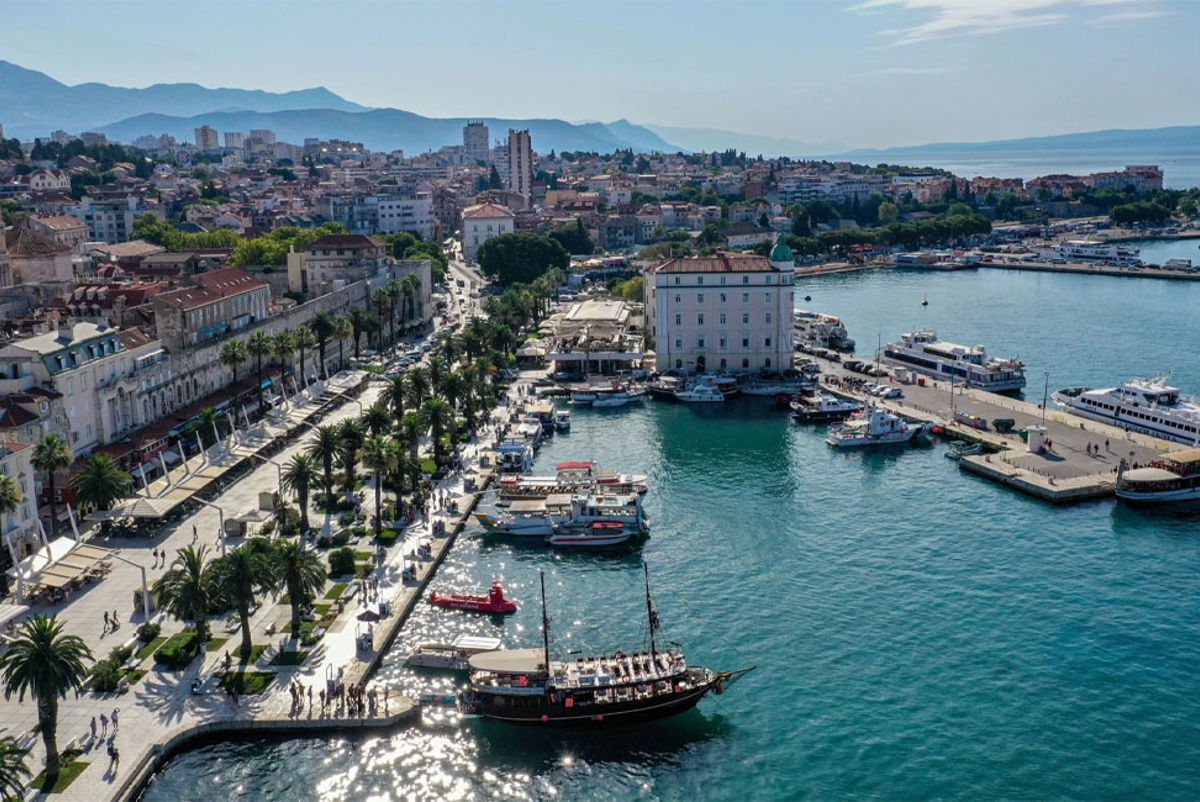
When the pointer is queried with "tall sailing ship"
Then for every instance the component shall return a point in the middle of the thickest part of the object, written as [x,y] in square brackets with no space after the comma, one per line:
[527,686]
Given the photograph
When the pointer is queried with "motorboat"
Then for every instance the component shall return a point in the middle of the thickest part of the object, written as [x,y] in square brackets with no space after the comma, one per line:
[700,393]
[960,448]
[528,686]
[494,602]
[514,456]
[922,352]
[875,427]
[726,383]
[452,656]
[618,398]
[665,388]
[562,420]
[824,407]
[1171,477]
[570,478]
[597,535]
[542,412]
[1150,407]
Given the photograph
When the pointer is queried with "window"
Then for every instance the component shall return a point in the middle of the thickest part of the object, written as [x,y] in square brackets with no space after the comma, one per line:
[745,297]
[677,279]
[700,298]
[700,342]
[768,297]
[723,364]
[678,298]
[679,320]
[699,320]
[679,344]
[722,297]
[722,318]
[745,342]
[723,343]
[745,363]
[745,318]
[699,279]
[745,280]
[768,362]
[768,317]
[678,363]
[768,342]
[722,279]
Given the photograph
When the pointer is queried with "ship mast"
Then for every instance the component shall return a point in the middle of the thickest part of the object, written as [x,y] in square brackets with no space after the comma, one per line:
[652,616]
[545,624]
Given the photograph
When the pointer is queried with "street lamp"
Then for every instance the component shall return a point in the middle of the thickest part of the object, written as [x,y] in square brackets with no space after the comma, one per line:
[220,518]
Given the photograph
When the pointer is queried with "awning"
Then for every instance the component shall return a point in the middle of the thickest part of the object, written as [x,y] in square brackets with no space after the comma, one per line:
[51,581]
[510,661]
[9,612]
[222,326]
[93,551]
[171,456]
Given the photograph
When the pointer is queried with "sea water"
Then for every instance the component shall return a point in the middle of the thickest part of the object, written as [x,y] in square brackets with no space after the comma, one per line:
[917,632]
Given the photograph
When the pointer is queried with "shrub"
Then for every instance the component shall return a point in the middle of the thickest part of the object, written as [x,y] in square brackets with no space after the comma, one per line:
[106,675]
[148,631]
[357,531]
[267,528]
[120,654]
[341,562]
[341,538]
[178,651]
[346,518]
[388,537]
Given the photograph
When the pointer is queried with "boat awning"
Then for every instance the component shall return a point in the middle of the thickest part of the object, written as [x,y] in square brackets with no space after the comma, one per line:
[528,505]
[476,643]
[559,500]
[1185,456]
[1148,475]
[573,466]
[510,661]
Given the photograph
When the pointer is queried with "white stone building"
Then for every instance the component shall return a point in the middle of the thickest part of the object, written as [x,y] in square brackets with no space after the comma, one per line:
[482,222]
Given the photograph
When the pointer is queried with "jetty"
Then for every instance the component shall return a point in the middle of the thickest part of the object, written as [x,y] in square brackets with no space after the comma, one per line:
[1081,459]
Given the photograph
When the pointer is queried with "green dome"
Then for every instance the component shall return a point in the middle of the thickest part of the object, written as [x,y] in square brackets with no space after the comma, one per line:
[781,252]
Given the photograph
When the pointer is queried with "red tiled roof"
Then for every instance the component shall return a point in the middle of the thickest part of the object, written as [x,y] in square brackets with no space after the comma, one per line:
[213,286]
[60,222]
[344,241]
[719,262]
[486,210]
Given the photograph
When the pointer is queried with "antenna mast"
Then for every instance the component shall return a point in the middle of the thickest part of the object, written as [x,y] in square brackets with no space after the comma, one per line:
[545,624]
[652,616]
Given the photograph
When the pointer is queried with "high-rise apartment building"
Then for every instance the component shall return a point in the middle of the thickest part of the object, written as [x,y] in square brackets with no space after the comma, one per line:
[235,140]
[475,143]
[520,162]
[206,138]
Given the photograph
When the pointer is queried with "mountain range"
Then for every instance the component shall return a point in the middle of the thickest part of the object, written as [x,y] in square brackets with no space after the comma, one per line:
[1115,139]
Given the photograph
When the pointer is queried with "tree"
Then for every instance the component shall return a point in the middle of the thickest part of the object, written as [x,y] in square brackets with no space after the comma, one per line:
[207,426]
[10,495]
[14,771]
[888,212]
[239,577]
[233,356]
[343,329]
[494,178]
[297,477]
[512,258]
[574,238]
[301,575]
[45,663]
[323,327]
[377,456]
[325,448]
[259,345]
[304,340]
[50,454]
[99,484]
[392,396]
[350,440]
[438,416]
[283,345]
[417,381]
[186,591]
[380,300]
[358,324]
[631,290]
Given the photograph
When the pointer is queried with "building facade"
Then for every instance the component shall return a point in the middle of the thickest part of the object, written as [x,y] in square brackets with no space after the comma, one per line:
[334,261]
[520,162]
[728,311]
[207,138]
[221,302]
[475,143]
[482,222]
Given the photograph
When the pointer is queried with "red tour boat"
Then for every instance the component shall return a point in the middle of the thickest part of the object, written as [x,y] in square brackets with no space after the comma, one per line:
[494,602]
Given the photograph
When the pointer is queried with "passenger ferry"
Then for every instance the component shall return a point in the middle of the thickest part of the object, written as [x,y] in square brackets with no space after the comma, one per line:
[1145,406]
[570,478]
[542,518]
[1084,250]
[1173,477]
[923,352]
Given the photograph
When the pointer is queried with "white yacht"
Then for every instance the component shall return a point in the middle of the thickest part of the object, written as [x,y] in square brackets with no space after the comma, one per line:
[825,331]
[452,656]
[1150,407]
[618,398]
[1172,477]
[877,427]
[825,407]
[923,352]
[570,478]
[562,420]
[700,393]
[542,518]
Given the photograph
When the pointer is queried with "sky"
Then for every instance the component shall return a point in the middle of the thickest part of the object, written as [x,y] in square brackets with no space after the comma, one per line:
[861,73]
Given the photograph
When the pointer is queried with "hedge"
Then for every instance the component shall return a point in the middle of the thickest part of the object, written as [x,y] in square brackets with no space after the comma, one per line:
[178,651]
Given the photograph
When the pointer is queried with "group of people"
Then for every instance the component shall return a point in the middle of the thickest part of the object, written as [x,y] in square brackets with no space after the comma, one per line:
[358,699]
[114,755]
[111,623]
[1093,449]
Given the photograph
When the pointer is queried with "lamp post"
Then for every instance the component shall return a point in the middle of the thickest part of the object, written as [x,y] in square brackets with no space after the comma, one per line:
[220,521]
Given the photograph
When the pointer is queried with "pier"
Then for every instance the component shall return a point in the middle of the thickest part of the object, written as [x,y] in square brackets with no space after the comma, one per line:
[1065,473]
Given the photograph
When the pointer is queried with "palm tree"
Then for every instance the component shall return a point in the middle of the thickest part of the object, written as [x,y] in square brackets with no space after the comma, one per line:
[233,356]
[259,346]
[99,484]
[186,591]
[393,295]
[325,447]
[358,325]
[283,345]
[207,426]
[305,340]
[418,386]
[437,372]
[238,577]
[343,329]
[14,771]
[351,437]
[50,454]
[297,477]
[371,326]
[377,456]
[323,328]
[392,396]
[10,495]
[302,576]
[438,416]
[380,300]
[454,388]
[409,430]
[411,286]
[377,419]
[406,471]
[45,663]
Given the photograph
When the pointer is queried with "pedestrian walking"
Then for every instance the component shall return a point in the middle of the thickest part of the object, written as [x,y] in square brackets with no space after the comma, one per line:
[93,728]
[1106,444]
[114,757]
[103,726]
[106,622]
[115,621]
[116,724]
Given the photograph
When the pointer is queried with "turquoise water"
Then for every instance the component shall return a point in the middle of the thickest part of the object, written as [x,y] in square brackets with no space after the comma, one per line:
[1158,251]
[918,633]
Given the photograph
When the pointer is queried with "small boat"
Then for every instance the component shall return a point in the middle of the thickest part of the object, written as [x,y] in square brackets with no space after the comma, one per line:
[583,395]
[452,656]
[959,449]
[1171,477]
[700,394]
[665,388]
[562,420]
[776,387]
[618,398]
[878,427]
[597,535]
[825,407]
[494,602]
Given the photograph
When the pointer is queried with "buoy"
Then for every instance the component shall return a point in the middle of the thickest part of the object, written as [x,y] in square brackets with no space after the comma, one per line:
[545,718]
[808,297]
[599,717]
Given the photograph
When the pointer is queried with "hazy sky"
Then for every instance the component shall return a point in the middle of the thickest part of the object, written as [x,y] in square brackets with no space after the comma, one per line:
[867,73]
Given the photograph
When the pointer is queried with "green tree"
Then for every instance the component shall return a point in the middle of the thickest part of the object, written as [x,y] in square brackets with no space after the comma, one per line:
[10,495]
[305,341]
[233,356]
[14,770]
[283,345]
[631,290]
[239,577]
[350,436]
[417,380]
[574,238]
[50,455]
[45,663]
[297,477]
[342,329]
[186,591]
[513,258]
[302,576]
[325,448]
[377,419]
[438,416]
[392,396]
[377,456]
[99,484]
[258,346]
[323,327]
[358,325]
[888,212]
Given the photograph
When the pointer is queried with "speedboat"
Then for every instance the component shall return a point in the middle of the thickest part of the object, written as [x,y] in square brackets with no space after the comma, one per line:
[600,534]
[618,398]
[452,656]
[959,449]
[825,407]
[700,394]
[562,420]
[494,602]
[877,427]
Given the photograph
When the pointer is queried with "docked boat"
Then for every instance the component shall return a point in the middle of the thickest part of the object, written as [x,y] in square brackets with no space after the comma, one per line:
[597,535]
[923,352]
[562,420]
[1171,477]
[876,427]
[1150,407]
[534,518]
[821,330]
[452,656]
[514,456]
[1082,250]
[700,393]
[527,686]
[571,478]
[584,395]
[823,408]
[960,448]
[664,388]
[541,412]
[773,388]
[494,602]
[618,398]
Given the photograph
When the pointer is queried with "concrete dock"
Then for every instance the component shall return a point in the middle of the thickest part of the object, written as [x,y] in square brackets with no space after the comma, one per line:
[1065,473]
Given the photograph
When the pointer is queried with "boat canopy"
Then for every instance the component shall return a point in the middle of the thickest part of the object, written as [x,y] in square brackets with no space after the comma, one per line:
[1149,475]
[1184,457]
[510,661]
[528,505]
[476,642]
[573,466]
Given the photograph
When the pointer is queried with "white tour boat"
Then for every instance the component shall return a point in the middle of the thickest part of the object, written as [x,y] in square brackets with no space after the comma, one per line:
[1083,250]
[617,398]
[821,330]
[923,352]
[700,393]
[534,518]
[877,427]
[453,656]
[1172,477]
[571,478]
[1150,407]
